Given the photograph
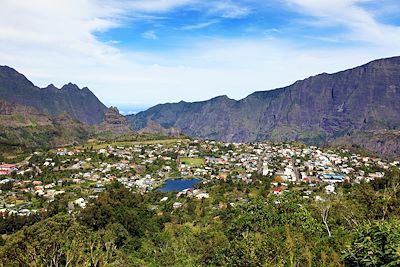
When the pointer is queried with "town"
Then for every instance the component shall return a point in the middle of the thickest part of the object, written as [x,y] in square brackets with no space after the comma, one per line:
[82,173]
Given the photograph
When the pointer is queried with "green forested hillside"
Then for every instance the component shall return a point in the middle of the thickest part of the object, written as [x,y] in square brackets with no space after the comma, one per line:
[239,225]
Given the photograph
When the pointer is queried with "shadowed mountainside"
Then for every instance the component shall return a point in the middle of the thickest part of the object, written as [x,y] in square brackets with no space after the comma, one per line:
[80,104]
[315,110]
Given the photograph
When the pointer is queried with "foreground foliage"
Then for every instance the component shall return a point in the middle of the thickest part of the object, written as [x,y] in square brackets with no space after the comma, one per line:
[359,226]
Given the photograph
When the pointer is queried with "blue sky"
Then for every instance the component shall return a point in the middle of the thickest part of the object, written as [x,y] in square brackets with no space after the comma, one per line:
[137,53]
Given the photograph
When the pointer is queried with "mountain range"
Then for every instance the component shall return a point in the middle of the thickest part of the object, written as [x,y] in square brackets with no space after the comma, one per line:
[80,104]
[320,109]
[48,117]
[357,107]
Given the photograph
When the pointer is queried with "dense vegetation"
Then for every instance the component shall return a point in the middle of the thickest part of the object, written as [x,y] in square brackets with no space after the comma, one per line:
[239,225]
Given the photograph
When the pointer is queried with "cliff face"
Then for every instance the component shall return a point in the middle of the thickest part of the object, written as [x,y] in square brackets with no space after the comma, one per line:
[80,104]
[114,122]
[384,142]
[315,110]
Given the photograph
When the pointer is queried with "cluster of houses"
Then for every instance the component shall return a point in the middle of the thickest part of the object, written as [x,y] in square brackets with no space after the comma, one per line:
[145,167]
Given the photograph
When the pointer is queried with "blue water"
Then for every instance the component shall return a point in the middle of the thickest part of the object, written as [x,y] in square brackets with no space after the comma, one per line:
[178,185]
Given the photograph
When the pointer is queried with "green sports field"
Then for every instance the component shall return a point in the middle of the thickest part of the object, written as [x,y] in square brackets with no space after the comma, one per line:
[194,162]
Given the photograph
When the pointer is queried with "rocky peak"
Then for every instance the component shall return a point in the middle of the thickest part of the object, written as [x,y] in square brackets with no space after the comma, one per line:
[87,90]
[70,86]
[221,98]
[113,110]
[80,104]
[12,77]
[51,87]
[115,122]
[112,116]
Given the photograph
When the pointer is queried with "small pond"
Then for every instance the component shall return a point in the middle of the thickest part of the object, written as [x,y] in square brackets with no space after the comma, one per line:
[178,185]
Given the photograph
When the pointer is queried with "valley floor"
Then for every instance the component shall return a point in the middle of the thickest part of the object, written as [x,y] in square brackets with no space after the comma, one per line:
[259,204]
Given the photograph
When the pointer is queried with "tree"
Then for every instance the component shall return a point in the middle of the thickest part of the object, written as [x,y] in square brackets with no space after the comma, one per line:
[324,207]
[62,241]
[6,186]
[278,179]
[376,244]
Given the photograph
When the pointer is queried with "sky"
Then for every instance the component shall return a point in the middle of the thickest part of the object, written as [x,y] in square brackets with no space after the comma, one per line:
[134,54]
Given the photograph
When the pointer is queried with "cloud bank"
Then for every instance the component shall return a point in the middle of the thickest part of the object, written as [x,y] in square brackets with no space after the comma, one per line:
[60,41]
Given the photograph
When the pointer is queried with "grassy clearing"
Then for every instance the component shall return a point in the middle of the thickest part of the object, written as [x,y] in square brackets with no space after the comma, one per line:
[194,162]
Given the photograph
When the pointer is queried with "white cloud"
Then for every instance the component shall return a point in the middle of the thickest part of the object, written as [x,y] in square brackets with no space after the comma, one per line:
[199,25]
[223,8]
[64,25]
[54,42]
[154,5]
[350,14]
[231,10]
[151,35]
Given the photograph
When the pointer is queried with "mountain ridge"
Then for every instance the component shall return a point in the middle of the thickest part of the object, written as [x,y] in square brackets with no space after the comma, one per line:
[80,104]
[317,109]
[347,107]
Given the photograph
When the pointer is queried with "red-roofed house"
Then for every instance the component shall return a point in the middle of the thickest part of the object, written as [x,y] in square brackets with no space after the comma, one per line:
[7,169]
[277,191]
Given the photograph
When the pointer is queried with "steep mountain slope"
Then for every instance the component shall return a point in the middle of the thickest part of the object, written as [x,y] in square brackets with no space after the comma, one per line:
[80,104]
[385,142]
[23,126]
[114,123]
[315,110]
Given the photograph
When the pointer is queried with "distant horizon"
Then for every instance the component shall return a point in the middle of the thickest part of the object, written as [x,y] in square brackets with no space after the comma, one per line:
[130,109]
